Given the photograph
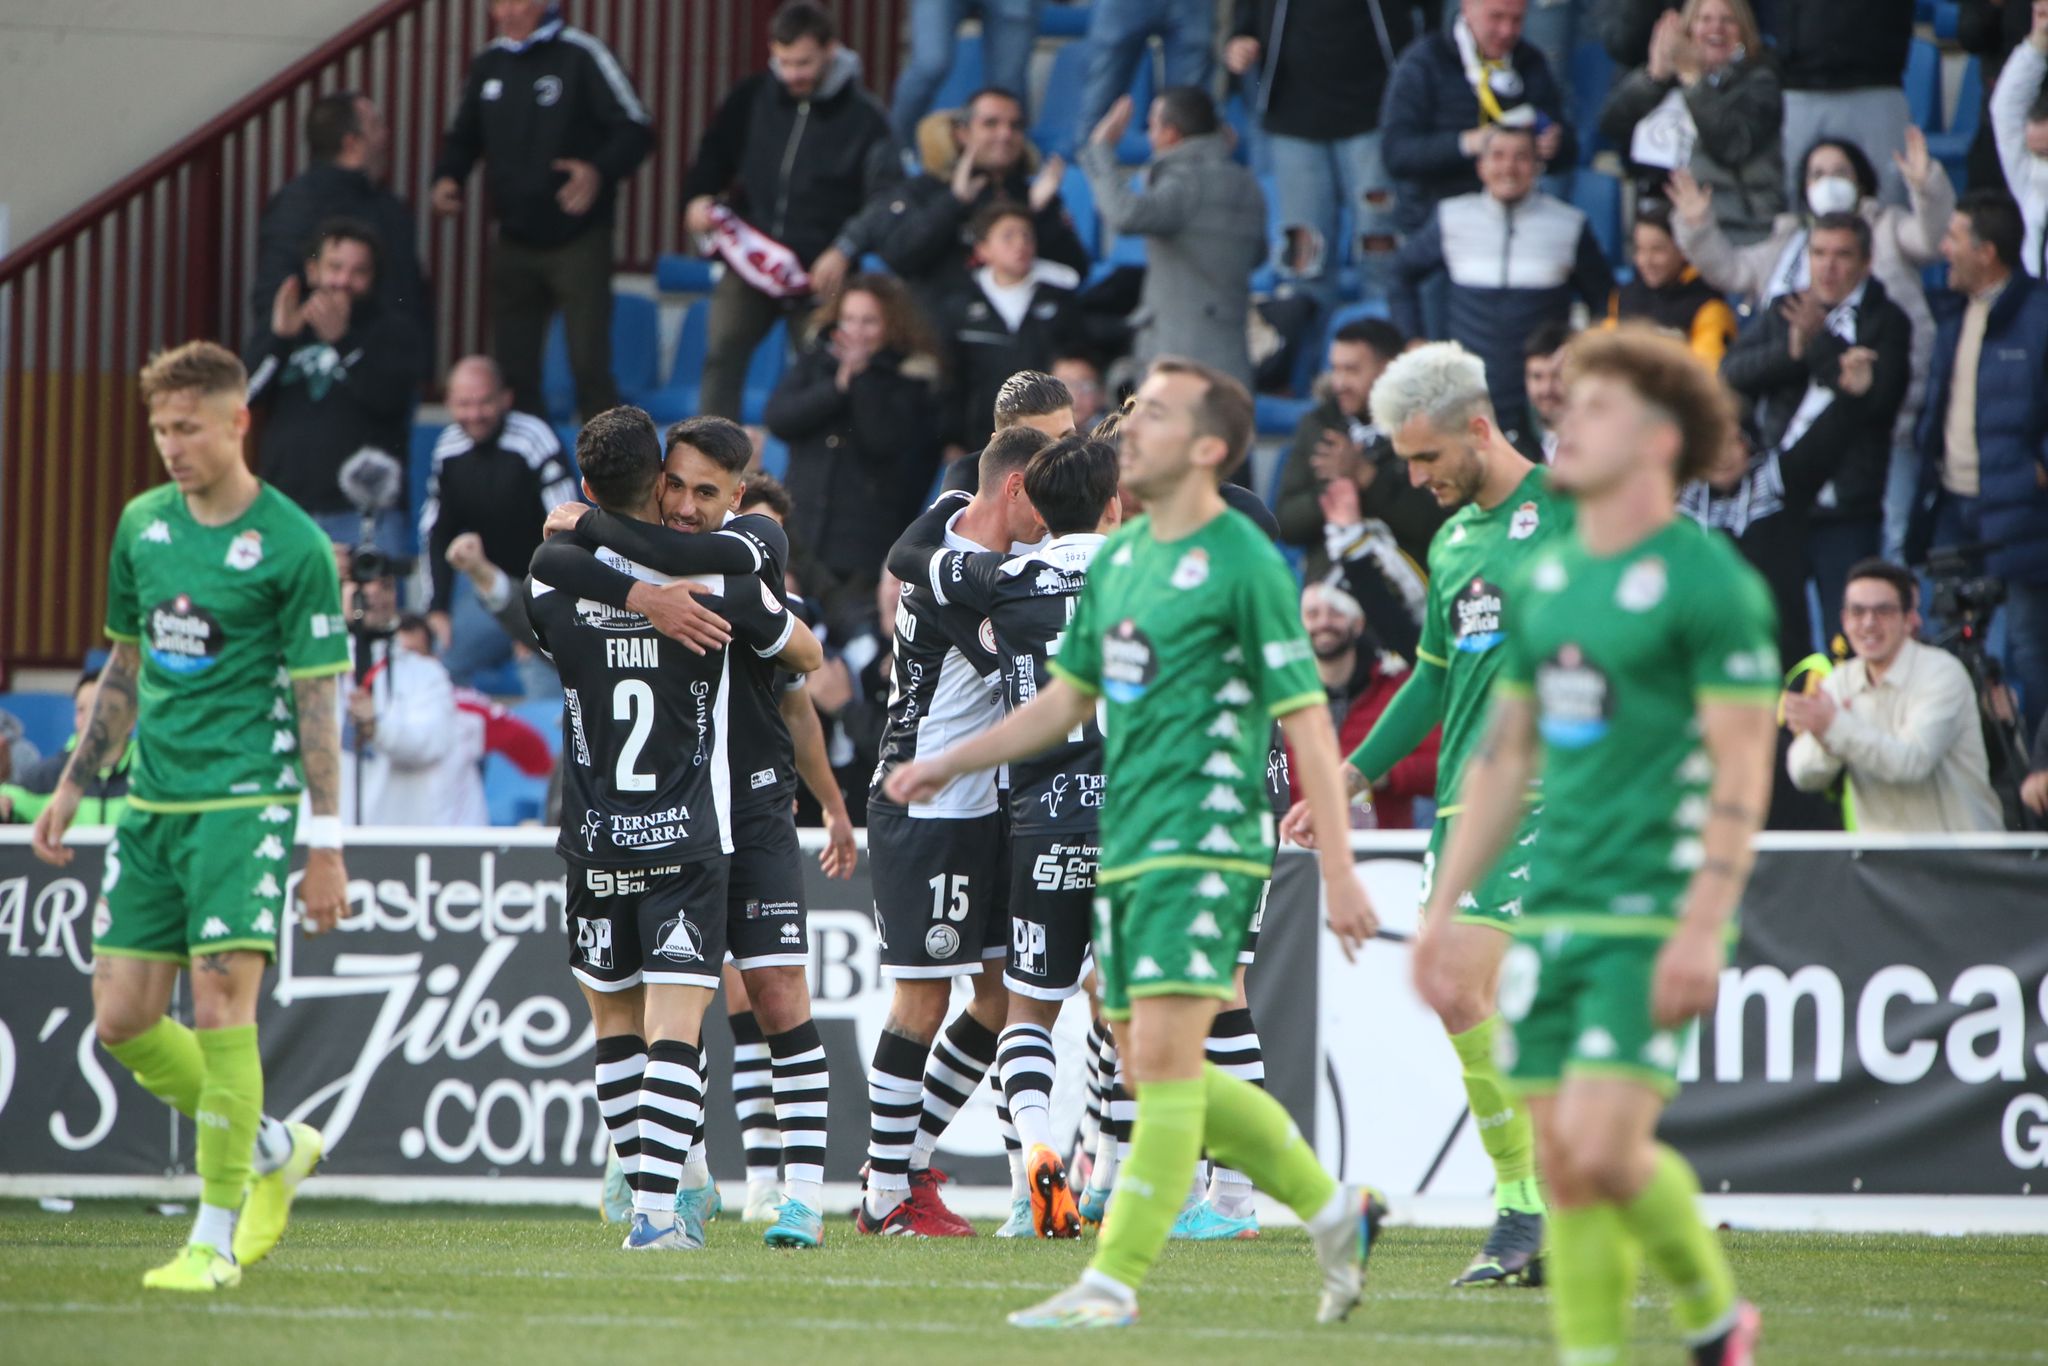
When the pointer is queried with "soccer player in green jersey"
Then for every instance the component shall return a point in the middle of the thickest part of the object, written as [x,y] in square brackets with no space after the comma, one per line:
[1433,400]
[1188,637]
[225,614]
[1640,679]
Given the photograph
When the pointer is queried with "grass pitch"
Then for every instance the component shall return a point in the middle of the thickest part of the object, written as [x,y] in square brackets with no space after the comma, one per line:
[358,1283]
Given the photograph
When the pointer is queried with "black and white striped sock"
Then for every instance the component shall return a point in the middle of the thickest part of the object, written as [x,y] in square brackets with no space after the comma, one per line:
[671,1111]
[1027,1064]
[1091,1110]
[1233,1047]
[960,1059]
[1103,1175]
[753,1096]
[895,1088]
[802,1080]
[621,1061]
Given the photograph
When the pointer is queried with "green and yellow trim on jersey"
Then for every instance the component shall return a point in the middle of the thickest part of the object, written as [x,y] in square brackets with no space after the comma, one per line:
[327,670]
[1607,925]
[214,803]
[1287,706]
[1201,862]
[1054,668]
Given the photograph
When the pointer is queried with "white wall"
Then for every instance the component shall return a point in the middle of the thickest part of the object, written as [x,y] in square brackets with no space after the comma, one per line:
[92,89]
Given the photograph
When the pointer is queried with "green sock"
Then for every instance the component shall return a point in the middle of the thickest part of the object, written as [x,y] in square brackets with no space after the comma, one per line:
[1504,1128]
[1665,1219]
[166,1059]
[229,1109]
[1251,1132]
[1150,1185]
[1592,1279]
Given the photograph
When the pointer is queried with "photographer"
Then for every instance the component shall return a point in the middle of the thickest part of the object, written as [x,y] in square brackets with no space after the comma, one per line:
[335,373]
[1901,720]
[414,758]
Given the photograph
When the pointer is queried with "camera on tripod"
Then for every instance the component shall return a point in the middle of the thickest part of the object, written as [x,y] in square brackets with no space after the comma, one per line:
[1960,592]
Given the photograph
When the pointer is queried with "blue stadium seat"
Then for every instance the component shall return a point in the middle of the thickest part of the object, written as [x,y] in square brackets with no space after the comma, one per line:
[45,718]
[1599,197]
[544,714]
[675,273]
[677,399]
[1952,147]
[764,371]
[510,795]
[1923,85]
[1592,73]
[1313,359]
[774,457]
[420,468]
[1276,416]
[1058,20]
[565,432]
[1080,202]
[964,77]
[636,355]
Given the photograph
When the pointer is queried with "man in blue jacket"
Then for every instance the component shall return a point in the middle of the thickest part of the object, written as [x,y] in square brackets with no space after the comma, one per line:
[1984,432]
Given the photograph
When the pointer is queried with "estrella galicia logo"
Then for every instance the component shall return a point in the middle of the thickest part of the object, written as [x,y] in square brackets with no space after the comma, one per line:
[184,637]
[679,941]
[1129,664]
[1475,617]
[1573,699]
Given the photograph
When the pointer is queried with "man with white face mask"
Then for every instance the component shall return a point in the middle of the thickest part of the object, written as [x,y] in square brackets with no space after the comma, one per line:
[2019,121]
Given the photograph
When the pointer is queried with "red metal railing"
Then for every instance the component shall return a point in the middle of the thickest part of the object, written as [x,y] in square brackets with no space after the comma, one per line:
[167,254]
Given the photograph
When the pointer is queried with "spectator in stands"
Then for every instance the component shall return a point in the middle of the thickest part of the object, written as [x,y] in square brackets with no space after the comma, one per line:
[1839,178]
[1322,67]
[1844,71]
[17,752]
[335,374]
[1083,377]
[1986,425]
[1336,440]
[1029,398]
[1543,382]
[23,797]
[922,227]
[2019,122]
[794,151]
[348,147]
[1361,679]
[1625,28]
[1668,292]
[1990,30]
[1900,720]
[1515,257]
[1449,88]
[1011,314]
[419,765]
[497,473]
[1842,341]
[859,410]
[1707,101]
[1009,30]
[549,111]
[1119,35]
[1203,218]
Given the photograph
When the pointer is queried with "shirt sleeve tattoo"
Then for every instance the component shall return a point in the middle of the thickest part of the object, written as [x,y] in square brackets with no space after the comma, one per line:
[320,742]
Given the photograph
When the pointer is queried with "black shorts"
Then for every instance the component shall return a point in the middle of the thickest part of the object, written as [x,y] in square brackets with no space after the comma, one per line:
[764,896]
[942,892]
[1250,950]
[1052,901]
[664,926]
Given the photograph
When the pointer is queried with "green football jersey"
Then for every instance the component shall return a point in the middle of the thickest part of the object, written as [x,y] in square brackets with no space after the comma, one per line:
[1193,645]
[225,618]
[1472,559]
[1618,652]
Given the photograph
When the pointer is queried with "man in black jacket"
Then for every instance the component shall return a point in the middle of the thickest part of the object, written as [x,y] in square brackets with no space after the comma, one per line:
[1013,313]
[349,145]
[1840,344]
[921,227]
[551,114]
[1843,67]
[1322,69]
[794,150]
[335,373]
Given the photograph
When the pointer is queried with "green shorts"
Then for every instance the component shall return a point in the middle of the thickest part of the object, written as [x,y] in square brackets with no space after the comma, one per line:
[1173,932]
[1579,1005]
[1497,901]
[199,882]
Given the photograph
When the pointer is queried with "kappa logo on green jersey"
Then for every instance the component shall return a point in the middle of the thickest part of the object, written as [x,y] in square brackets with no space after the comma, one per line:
[1129,663]
[1475,617]
[184,637]
[1573,699]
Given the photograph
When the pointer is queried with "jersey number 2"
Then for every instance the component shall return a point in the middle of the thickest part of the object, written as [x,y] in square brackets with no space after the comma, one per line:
[633,700]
